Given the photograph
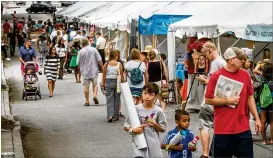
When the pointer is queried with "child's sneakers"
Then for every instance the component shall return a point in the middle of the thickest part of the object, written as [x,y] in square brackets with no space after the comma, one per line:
[7,59]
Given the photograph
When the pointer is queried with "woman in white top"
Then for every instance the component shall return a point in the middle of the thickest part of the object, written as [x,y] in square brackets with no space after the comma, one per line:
[62,53]
[130,67]
[110,79]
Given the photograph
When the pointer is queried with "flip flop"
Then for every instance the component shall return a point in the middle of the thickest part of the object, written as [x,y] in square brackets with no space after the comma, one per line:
[264,143]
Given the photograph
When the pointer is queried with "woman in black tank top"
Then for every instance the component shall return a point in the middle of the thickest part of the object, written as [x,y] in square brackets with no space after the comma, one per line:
[156,71]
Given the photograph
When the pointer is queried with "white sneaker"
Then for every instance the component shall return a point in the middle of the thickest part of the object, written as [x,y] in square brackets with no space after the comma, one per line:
[8,59]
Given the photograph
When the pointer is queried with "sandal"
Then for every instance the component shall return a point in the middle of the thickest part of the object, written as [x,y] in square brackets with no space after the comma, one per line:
[115,118]
[110,119]
[86,104]
[95,99]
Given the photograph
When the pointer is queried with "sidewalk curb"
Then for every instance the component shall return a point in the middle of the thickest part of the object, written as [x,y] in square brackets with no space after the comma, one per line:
[12,142]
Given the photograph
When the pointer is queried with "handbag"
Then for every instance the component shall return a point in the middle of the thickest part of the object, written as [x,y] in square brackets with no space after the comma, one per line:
[164,88]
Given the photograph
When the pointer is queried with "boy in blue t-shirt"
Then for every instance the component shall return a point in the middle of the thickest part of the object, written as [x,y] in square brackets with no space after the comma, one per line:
[181,149]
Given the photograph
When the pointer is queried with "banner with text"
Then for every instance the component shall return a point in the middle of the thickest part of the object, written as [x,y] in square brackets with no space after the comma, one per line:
[158,24]
[261,33]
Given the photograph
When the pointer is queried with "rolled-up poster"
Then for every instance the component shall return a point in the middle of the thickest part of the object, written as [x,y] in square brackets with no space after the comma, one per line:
[132,114]
[178,137]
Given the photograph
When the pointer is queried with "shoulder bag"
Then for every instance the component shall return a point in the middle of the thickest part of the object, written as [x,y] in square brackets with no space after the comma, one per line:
[164,88]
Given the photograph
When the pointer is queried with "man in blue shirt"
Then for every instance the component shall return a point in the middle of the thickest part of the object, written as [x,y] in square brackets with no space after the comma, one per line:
[27,53]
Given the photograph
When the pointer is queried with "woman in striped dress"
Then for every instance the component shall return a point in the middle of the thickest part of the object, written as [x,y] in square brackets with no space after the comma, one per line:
[52,66]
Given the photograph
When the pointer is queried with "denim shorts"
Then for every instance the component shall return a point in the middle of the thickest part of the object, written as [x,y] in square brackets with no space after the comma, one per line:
[227,145]
[268,108]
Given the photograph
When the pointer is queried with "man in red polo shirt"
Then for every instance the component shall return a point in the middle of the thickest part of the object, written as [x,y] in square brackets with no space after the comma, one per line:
[231,114]
[6,27]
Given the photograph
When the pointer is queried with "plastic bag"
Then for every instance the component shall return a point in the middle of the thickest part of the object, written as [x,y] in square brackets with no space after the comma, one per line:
[265,97]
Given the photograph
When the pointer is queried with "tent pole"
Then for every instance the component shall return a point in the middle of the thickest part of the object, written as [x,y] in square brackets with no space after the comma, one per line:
[106,33]
[218,43]
[109,44]
[127,46]
[235,42]
[153,42]
[261,50]
[161,43]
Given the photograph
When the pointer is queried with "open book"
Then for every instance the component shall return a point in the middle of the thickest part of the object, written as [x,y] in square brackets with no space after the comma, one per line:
[226,87]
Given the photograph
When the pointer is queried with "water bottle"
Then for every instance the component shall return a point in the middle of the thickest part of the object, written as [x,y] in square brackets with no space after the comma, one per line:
[178,137]
[193,142]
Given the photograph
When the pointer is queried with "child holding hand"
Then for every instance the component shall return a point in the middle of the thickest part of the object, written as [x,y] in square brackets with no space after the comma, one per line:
[153,121]
[182,149]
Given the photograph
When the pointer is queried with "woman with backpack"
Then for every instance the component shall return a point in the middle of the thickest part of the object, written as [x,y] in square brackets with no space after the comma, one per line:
[135,74]
[111,76]
[266,107]
[156,71]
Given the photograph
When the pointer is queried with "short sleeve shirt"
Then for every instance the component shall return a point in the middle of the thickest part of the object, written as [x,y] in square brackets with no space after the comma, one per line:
[229,120]
[101,42]
[185,153]
[215,65]
[6,27]
[88,58]
[27,54]
[60,51]
[151,135]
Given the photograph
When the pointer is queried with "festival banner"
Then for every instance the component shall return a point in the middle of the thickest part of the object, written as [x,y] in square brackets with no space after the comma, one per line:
[261,33]
[158,24]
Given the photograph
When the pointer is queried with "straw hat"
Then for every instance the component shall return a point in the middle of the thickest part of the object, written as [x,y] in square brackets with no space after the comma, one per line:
[148,48]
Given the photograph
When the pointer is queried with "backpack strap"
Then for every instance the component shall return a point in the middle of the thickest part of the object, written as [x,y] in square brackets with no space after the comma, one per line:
[139,64]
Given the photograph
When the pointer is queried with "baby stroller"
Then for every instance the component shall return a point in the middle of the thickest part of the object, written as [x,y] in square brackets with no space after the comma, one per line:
[31,82]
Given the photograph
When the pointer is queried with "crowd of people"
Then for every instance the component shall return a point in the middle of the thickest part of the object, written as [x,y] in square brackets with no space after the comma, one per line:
[147,74]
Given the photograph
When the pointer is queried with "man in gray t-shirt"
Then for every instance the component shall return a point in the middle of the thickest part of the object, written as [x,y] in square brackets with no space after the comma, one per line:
[206,115]
[88,60]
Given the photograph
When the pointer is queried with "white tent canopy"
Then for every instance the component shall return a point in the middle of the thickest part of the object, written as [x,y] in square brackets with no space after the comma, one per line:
[71,8]
[87,7]
[227,16]
[131,10]
[115,18]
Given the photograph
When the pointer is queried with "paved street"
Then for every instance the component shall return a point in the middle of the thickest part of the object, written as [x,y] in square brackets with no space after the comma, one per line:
[62,126]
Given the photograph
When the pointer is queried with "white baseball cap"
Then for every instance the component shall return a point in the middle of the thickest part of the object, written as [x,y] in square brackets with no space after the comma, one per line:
[229,53]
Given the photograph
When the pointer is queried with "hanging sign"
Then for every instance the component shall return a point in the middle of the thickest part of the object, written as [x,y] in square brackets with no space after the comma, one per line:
[158,24]
[261,33]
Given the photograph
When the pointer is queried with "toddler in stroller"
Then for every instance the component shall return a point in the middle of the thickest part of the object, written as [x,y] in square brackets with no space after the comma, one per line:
[31,82]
